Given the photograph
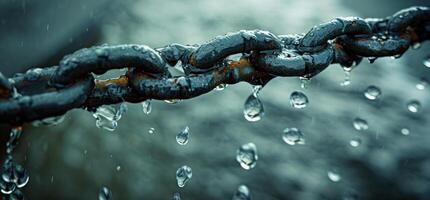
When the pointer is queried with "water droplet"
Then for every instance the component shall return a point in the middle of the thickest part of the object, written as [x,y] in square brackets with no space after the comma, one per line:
[151,130]
[118,168]
[372,59]
[247,156]
[298,99]
[176,196]
[242,193]
[221,87]
[171,101]
[107,116]
[426,61]
[105,194]
[101,52]
[183,137]
[405,131]
[293,136]
[347,80]
[50,121]
[253,108]
[355,142]
[14,136]
[416,45]
[360,124]
[414,106]
[334,176]
[422,84]
[304,82]
[183,175]
[372,92]
[146,106]
[396,56]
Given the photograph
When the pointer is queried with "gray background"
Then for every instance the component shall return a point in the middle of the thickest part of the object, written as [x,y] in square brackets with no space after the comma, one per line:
[74,159]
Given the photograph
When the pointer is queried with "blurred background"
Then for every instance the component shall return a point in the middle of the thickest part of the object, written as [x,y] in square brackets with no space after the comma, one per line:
[74,159]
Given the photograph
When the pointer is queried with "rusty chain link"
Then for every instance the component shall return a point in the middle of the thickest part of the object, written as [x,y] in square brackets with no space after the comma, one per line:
[52,91]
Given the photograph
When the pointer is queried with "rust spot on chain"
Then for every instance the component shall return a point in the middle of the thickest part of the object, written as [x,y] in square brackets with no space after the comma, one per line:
[122,80]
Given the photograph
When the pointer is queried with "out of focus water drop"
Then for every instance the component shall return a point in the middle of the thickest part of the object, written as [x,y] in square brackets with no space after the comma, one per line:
[151,130]
[355,142]
[242,193]
[105,194]
[414,106]
[372,92]
[334,176]
[183,136]
[298,99]
[146,106]
[247,156]
[405,131]
[183,175]
[422,84]
[360,124]
[426,61]
[176,196]
[293,136]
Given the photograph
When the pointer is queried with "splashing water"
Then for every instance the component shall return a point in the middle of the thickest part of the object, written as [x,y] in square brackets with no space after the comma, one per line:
[242,193]
[183,175]
[183,136]
[107,116]
[293,136]
[298,100]
[247,156]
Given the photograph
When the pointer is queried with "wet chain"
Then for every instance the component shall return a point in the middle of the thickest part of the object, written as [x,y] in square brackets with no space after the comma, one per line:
[253,56]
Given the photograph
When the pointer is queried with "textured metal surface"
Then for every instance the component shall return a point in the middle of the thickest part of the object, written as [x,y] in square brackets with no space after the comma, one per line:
[55,90]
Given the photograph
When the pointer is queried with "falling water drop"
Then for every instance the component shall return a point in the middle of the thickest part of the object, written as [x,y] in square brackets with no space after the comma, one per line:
[372,92]
[247,156]
[293,136]
[183,137]
[426,61]
[176,196]
[304,82]
[355,142]
[347,80]
[405,131]
[107,116]
[253,108]
[334,176]
[422,84]
[105,194]
[242,193]
[183,175]
[151,130]
[414,106]
[298,99]
[146,106]
[360,124]
[118,167]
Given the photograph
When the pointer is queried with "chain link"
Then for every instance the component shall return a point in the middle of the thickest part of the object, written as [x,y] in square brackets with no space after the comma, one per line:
[52,91]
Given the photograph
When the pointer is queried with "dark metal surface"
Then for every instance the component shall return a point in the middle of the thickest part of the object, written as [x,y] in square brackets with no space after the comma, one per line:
[343,40]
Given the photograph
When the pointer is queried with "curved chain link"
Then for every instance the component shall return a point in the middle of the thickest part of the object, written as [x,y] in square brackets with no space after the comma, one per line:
[45,92]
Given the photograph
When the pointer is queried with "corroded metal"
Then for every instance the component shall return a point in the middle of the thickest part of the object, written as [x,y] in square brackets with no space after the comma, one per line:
[46,92]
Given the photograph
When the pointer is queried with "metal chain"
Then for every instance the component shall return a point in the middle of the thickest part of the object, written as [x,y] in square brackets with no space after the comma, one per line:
[45,92]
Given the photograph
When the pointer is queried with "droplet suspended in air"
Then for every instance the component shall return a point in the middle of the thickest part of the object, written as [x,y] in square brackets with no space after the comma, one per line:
[242,193]
[146,106]
[304,82]
[183,175]
[151,130]
[360,124]
[426,61]
[414,106]
[253,108]
[298,99]
[247,156]
[422,84]
[183,136]
[105,194]
[107,116]
[176,196]
[347,80]
[50,121]
[334,176]
[293,136]
[221,87]
[405,131]
[118,167]
[372,92]
[355,142]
